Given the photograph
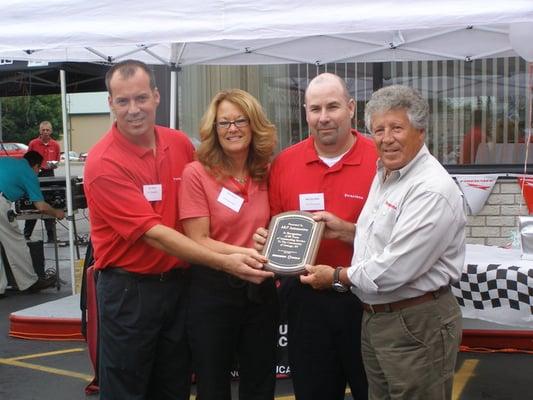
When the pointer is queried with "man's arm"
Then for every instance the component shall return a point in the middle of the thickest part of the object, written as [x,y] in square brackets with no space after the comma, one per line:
[178,245]
[321,276]
[58,152]
[46,208]
[198,229]
[336,228]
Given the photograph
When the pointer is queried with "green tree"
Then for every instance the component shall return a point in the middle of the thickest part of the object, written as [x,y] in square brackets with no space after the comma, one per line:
[21,116]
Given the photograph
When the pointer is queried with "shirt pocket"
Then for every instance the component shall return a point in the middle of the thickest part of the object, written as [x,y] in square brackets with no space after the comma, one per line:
[384,220]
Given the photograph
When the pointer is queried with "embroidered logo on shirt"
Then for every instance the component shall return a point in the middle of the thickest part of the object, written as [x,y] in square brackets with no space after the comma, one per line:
[353,196]
[176,178]
[391,205]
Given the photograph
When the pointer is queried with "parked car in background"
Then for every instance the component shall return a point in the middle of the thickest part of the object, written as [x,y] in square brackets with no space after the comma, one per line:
[11,149]
[72,155]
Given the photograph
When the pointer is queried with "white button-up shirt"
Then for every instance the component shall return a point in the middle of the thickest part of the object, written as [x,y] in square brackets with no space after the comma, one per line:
[410,236]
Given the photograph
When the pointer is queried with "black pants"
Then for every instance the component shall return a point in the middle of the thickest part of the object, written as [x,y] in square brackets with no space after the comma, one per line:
[230,320]
[143,352]
[324,342]
[29,225]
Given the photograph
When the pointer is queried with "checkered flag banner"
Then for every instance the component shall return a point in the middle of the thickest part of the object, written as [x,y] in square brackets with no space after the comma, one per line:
[496,293]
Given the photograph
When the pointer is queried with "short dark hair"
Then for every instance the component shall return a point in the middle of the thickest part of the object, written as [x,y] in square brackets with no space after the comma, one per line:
[127,69]
[33,158]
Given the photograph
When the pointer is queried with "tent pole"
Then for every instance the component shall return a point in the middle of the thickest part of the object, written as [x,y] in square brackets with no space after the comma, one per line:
[1,136]
[173,91]
[68,193]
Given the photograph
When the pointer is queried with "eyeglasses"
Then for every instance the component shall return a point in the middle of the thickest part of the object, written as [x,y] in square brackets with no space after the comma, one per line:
[239,123]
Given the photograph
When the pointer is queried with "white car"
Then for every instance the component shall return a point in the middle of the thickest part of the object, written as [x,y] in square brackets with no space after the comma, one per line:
[72,155]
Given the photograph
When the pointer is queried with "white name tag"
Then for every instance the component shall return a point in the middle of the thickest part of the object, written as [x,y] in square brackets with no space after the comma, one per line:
[230,199]
[153,192]
[312,202]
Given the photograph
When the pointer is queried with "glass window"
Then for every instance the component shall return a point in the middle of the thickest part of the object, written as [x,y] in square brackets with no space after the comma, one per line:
[477,108]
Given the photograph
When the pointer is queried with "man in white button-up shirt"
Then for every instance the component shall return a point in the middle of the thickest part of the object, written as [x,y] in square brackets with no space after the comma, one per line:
[409,246]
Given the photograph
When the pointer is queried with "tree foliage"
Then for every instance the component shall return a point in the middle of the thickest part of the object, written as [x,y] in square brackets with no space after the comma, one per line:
[22,115]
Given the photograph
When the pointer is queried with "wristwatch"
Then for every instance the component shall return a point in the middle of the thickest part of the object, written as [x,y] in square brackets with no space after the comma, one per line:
[337,285]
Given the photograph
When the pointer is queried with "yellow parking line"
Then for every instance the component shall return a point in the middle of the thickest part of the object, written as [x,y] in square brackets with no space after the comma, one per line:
[462,376]
[16,362]
[50,370]
[50,353]
[291,397]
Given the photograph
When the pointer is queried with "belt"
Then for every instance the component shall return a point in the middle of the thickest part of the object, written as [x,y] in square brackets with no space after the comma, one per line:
[401,304]
[173,274]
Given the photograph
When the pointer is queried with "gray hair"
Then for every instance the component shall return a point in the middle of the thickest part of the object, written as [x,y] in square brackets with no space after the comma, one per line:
[398,97]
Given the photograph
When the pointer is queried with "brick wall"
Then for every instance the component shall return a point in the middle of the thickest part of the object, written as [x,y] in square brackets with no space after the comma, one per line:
[493,225]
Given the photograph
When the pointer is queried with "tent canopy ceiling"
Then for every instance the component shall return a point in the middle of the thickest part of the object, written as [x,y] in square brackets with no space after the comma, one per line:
[179,32]
[17,78]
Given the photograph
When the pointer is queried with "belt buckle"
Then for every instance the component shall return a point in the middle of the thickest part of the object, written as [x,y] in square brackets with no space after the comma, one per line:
[162,277]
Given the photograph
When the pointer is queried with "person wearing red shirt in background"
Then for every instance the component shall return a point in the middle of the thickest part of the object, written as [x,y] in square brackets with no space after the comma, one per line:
[50,150]
[471,140]
[132,179]
[332,171]
[223,200]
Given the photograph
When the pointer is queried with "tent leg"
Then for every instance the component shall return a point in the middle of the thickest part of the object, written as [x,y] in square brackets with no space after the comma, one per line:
[68,191]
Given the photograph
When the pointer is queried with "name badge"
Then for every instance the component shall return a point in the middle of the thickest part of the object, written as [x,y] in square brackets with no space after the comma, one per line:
[230,199]
[153,192]
[312,202]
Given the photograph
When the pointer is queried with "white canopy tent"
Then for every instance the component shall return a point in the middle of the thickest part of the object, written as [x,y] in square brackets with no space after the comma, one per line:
[232,32]
[258,32]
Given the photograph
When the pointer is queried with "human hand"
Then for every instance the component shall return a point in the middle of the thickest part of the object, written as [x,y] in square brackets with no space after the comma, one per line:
[336,228]
[52,164]
[59,214]
[318,276]
[259,238]
[245,267]
[256,255]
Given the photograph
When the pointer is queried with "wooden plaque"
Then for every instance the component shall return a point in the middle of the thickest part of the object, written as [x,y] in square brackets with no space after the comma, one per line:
[292,242]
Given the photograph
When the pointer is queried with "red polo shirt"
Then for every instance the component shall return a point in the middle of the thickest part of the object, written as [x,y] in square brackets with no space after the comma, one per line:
[116,172]
[199,197]
[50,151]
[298,170]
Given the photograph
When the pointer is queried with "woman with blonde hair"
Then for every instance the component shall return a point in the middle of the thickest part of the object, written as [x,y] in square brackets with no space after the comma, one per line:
[223,200]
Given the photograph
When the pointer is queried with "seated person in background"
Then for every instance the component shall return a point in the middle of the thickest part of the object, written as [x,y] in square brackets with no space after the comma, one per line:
[499,132]
[223,200]
[18,177]
[471,140]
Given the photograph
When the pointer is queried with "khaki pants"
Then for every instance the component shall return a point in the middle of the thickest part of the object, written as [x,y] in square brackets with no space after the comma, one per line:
[410,354]
[17,252]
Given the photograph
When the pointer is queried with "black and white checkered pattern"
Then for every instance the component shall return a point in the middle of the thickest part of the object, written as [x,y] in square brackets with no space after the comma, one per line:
[495,285]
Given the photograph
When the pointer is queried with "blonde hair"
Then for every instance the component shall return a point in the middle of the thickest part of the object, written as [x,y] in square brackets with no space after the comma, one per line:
[264,136]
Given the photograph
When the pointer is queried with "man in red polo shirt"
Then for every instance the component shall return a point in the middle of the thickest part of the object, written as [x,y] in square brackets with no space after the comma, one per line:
[132,179]
[50,150]
[330,171]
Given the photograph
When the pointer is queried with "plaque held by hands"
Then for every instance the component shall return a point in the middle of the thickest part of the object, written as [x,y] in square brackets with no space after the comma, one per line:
[292,242]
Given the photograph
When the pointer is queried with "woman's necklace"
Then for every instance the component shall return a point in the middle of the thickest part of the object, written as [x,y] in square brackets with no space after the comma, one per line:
[242,181]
